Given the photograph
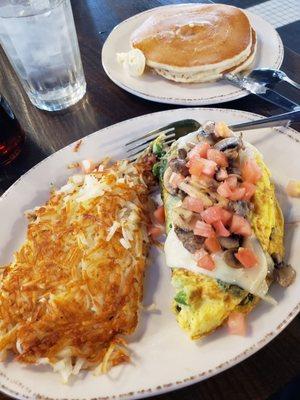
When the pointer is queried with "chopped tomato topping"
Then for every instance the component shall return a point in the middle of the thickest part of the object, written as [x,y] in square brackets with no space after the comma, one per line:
[156,231]
[200,150]
[232,181]
[220,229]
[250,190]
[237,323]
[224,190]
[225,216]
[237,194]
[212,244]
[159,215]
[199,166]
[212,214]
[203,229]
[206,262]
[193,204]
[218,157]
[250,171]
[222,130]
[246,257]
[240,226]
[176,179]
[293,188]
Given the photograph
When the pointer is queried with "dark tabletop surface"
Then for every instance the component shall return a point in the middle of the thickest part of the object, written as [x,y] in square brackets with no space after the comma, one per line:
[278,363]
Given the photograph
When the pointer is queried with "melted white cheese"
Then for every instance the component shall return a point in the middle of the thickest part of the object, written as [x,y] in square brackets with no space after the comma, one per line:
[251,279]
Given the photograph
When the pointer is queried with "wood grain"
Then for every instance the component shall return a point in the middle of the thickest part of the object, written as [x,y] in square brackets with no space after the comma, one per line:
[105,104]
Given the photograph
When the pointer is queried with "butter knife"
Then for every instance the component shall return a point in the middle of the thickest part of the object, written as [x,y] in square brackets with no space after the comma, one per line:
[260,90]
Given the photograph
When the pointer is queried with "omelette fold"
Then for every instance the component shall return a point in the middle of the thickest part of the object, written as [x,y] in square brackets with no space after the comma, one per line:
[74,287]
[224,227]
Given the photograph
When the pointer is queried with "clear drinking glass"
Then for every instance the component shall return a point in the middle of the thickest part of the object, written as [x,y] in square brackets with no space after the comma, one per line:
[39,38]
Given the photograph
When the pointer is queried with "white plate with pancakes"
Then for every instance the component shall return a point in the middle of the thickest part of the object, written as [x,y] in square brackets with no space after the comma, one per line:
[185,52]
[163,357]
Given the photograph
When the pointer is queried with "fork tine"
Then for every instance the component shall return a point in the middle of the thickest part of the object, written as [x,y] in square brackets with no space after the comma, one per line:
[134,156]
[145,144]
[155,133]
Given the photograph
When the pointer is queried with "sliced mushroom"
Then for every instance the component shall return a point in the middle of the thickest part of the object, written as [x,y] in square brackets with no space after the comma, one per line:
[208,183]
[179,166]
[285,276]
[182,154]
[231,154]
[182,218]
[229,243]
[231,260]
[232,142]
[166,181]
[190,241]
[221,174]
[240,207]
[233,170]
[209,127]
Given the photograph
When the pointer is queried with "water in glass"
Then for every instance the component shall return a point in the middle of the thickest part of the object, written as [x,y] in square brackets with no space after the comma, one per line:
[40,40]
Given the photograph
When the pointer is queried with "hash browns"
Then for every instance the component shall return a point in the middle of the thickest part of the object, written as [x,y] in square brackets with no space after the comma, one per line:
[76,283]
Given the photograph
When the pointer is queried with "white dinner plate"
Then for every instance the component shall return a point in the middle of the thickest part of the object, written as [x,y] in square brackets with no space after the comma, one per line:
[153,87]
[163,358]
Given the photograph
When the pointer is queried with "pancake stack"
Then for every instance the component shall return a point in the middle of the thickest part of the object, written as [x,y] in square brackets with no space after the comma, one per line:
[196,43]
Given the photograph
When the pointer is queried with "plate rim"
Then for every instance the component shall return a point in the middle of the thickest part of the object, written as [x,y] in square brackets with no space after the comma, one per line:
[185,382]
[197,101]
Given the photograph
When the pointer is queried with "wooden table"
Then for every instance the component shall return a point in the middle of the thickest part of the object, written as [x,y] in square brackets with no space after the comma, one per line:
[104,104]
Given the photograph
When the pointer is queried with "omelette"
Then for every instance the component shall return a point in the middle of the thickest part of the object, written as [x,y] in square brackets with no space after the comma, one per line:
[73,289]
[224,228]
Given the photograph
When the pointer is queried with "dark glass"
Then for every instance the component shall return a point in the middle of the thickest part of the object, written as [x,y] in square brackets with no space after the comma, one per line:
[11,135]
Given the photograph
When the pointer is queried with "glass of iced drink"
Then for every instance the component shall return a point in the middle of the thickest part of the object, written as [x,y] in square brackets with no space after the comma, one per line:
[39,39]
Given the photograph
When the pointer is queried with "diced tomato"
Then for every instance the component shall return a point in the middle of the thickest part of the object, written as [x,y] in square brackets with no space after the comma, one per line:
[156,231]
[206,262]
[159,215]
[203,229]
[224,190]
[237,194]
[225,216]
[212,214]
[200,150]
[195,166]
[176,179]
[250,190]
[237,323]
[193,204]
[218,157]
[246,257]
[293,188]
[232,181]
[222,130]
[212,244]
[240,226]
[87,166]
[220,229]
[199,166]
[209,167]
[250,171]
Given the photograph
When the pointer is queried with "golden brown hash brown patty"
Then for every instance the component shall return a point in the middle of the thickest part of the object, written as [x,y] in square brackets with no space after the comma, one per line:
[71,289]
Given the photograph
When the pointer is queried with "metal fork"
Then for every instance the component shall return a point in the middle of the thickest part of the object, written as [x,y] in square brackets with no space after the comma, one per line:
[181,128]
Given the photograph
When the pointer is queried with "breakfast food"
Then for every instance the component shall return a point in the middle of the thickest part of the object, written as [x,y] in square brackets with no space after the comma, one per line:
[225,228]
[196,43]
[76,283]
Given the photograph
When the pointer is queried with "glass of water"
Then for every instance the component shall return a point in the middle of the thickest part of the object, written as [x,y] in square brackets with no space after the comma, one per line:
[39,39]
